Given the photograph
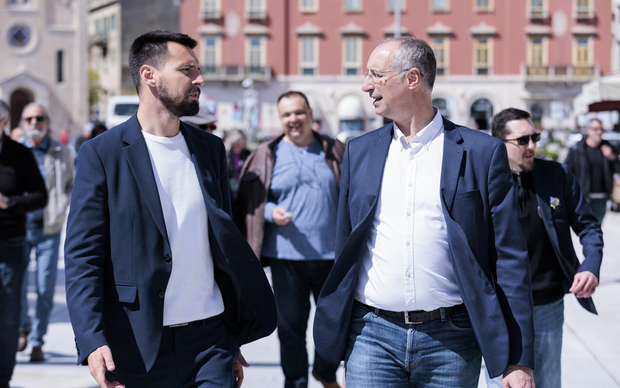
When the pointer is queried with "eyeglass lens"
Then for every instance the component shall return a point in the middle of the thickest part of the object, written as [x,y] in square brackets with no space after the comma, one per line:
[525,140]
[39,119]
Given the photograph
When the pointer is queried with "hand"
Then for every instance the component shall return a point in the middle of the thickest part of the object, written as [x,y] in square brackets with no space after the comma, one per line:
[281,216]
[517,376]
[584,284]
[238,368]
[4,201]
[98,362]
[608,152]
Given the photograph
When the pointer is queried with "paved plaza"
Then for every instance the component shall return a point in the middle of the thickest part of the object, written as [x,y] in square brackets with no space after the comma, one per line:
[590,356]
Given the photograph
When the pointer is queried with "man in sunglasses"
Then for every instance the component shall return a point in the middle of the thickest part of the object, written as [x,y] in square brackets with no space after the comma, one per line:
[594,162]
[549,203]
[204,120]
[44,226]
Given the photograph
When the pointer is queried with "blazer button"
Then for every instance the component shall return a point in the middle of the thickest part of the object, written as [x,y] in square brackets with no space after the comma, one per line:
[167,258]
[160,295]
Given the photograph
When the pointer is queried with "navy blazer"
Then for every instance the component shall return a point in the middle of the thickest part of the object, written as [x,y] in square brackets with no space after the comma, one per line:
[118,257]
[489,259]
[552,179]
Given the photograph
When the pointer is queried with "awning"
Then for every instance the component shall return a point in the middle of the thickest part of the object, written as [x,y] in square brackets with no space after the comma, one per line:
[602,94]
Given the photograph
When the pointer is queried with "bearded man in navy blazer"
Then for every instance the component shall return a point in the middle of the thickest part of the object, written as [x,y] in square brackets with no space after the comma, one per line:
[430,274]
[162,288]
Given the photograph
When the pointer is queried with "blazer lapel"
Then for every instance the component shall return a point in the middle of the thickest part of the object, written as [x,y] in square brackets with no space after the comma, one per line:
[451,162]
[140,164]
[376,161]
[199,152]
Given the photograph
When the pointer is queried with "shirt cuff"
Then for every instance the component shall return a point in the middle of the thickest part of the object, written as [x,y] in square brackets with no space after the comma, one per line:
[269,206]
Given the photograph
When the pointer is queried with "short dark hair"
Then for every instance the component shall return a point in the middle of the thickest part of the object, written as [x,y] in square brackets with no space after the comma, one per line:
[414,52]
[292,93]
[152,49]
[498,128]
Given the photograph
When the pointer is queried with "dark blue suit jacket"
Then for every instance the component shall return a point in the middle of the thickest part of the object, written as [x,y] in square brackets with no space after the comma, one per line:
[552,179]
[118,257]
[488,253]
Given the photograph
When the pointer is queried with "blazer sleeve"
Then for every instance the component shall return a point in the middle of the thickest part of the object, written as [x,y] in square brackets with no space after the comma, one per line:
[224,181]
[583,223]
[35,196]
[85,252]
[514,288]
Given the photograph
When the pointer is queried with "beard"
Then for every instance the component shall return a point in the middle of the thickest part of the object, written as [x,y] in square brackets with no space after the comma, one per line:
[34,133]
[181,108]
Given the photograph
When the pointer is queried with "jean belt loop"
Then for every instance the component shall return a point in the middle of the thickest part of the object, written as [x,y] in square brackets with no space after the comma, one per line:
[442,312]
[375,312]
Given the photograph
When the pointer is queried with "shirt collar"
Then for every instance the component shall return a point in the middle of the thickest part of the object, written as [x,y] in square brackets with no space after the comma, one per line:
[425,136]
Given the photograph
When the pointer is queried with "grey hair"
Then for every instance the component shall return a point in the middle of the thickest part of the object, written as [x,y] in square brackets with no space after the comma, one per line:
[5,110]
[414,52]
[43,108]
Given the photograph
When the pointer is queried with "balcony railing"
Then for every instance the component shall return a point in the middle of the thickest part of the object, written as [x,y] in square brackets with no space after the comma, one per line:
[100,39]
[255,14]
[236,73]
[583,13]
[538,13]
[560,72]
[210,14]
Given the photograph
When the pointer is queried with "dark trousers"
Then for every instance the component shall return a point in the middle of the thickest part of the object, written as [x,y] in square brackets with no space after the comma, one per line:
[12,267]
[190,357]
[293,281]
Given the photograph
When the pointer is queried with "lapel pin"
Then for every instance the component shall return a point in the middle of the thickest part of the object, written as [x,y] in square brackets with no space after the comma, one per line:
[554,202]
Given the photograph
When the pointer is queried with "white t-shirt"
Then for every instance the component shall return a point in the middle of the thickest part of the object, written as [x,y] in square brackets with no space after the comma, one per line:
[192,293]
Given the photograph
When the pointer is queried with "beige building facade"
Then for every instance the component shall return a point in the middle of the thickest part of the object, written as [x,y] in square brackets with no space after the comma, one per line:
[44,56]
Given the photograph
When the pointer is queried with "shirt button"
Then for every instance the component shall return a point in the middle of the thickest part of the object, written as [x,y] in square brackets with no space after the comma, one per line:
[412,157]
[167,258]
[409,304]
[160,295]
[408,213]
[408,242]
[408,274]
[410,184]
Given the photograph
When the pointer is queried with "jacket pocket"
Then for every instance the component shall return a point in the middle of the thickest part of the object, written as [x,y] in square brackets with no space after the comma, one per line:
[121,293]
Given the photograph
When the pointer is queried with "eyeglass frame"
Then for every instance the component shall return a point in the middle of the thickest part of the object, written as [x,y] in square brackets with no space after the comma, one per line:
[38,118]
[374,74]
[535,138]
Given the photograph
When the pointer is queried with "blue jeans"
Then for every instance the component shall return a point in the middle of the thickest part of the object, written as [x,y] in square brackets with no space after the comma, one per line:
[46,250]
[386,352]
[12,268]
[189,356]
[548,322]
[293,281]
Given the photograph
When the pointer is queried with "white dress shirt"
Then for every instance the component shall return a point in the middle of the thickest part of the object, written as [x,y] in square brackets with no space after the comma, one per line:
[192,293]
[407,262]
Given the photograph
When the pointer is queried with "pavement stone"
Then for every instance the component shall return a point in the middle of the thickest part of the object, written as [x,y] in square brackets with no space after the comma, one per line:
[590,356]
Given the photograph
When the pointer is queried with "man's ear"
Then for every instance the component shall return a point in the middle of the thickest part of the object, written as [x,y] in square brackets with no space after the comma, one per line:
[147,75]
[414,78]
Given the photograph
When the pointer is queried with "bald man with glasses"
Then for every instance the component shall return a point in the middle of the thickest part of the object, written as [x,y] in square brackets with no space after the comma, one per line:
[549,203]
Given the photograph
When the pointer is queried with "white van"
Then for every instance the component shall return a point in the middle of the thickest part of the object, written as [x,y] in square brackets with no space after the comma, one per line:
[120,108]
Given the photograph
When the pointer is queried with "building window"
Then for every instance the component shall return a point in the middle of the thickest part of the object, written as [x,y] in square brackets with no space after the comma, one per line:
[483,5]
[210,10]
[439,5]
[210,57]
[19,35]
[308,5]
[582,52]
[19,2]
[439,48]
[391,4]
[536,52]
[482,55]
[538,9]
[352,55]
[112,22]
[583,9]
[442,105]
[308,55]
[255,54]
[353,5]
[59,66]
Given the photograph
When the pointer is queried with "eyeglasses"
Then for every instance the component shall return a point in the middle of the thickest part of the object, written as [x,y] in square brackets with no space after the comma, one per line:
[208,127]
[525,140]
[39,119]
[378,75]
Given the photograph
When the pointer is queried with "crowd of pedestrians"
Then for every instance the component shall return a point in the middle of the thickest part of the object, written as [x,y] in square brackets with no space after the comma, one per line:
[404,238]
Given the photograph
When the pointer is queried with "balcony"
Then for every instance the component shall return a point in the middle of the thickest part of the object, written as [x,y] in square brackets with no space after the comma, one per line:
[538,13]
[210,14]
[560,73]
[584,13]
[100,39]
[236,73]
[255,14]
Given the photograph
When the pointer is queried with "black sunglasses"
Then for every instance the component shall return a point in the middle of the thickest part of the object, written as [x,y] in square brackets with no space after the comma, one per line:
[208,127]
[525,140]
[39,119]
